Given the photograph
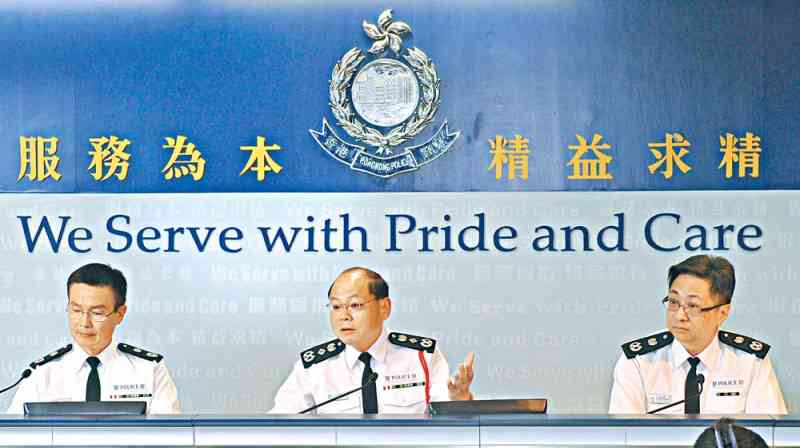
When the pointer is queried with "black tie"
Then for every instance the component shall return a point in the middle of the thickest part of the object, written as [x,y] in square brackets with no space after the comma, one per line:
[93,383]
[369,396]
[692,389]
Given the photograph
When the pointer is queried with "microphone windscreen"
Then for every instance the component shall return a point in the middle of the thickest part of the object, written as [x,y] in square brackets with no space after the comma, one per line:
[26,373]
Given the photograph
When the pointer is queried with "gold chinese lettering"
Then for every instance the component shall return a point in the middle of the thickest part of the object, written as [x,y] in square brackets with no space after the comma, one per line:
[514,158]
[746,152]
[186,159]
[109,158]
[669,157]
[38,159]
[260,161]
[590,168]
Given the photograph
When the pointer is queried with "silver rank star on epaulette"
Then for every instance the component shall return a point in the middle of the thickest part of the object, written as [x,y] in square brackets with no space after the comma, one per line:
[321,352]
[139,352]
[647,344]
[51,356]
[745,343]
[420,343]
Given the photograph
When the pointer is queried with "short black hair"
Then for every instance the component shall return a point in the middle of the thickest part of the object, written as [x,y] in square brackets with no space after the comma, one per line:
[715,269]
[376,284]
[725,434]
[98,274]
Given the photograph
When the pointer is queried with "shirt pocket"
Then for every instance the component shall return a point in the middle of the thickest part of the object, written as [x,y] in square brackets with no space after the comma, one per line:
[726,401]
[404,401]
[350,404]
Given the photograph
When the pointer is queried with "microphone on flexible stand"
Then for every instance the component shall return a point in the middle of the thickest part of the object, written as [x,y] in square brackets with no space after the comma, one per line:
[370,380]
[724,435]
[25,373]
[700,380]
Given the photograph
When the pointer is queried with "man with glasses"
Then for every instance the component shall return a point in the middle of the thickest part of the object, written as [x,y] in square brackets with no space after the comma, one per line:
[401,373]
[94,368]
[715,372]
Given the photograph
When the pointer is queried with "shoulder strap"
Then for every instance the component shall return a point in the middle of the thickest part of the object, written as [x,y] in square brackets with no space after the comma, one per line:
[51,356]
[745,343]
[647,344]
[140,352]
[420,343]
[321,352]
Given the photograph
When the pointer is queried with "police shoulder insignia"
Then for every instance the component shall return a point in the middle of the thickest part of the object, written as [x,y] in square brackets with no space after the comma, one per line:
[140,352]
[745,343]
[51,356]
[647,344]
[420,343]
[321,352]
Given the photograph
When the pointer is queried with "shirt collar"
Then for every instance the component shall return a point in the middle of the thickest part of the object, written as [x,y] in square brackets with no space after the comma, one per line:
[77,359]
[708,357]
[377,351]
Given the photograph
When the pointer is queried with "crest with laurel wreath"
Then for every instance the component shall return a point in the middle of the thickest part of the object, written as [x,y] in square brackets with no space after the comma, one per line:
[387,36]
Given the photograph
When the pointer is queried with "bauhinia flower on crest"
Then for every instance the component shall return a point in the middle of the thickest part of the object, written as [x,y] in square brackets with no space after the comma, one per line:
[386,33]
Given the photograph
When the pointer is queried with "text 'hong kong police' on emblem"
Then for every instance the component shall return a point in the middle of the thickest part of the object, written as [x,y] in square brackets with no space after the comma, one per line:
[383,100]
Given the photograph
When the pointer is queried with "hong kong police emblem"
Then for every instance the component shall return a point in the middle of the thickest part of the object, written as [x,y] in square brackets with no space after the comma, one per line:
[382,100]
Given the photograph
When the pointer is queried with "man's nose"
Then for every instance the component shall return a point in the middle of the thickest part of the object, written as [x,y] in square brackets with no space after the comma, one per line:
[85,321]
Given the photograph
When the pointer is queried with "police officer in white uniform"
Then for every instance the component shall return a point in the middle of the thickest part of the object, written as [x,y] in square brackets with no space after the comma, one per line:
[411,370]
[94,367]
[717,372]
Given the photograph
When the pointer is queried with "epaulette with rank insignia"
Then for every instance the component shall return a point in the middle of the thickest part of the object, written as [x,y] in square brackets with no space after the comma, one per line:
[321,352]
[745,343]
[51,356]
[647,344]
[420,343]
[140,352]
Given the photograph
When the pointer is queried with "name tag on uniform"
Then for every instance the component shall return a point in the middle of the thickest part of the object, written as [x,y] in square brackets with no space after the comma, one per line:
[123,391]
[403,385]
[727,383]
[726,387]
[660,398]
[402,381]
[728,394]
[118,397]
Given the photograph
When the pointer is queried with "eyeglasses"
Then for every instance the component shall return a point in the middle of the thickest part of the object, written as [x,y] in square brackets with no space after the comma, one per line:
[691,309]
[94,315]
[352,307]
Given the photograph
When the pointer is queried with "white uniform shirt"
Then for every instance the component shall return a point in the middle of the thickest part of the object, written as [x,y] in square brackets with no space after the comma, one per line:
[736,382]
[123,377]
[400,385]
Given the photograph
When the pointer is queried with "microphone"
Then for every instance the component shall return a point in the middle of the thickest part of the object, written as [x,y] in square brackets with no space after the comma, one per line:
[724,435]
[370,380]
[25,373]
[700,380]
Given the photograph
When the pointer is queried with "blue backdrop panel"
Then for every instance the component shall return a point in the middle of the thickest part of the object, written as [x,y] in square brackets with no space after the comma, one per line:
[224,72]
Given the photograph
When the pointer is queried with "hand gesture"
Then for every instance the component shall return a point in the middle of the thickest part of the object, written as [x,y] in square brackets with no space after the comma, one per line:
[458,384]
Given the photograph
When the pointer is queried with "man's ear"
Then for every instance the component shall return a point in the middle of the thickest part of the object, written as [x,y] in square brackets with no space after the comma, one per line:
[386,307]
[725,311]
[121,311]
